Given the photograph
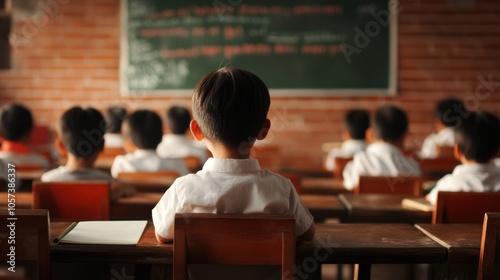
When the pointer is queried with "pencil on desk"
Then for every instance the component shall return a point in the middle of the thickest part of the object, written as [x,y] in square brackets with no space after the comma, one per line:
[66,231]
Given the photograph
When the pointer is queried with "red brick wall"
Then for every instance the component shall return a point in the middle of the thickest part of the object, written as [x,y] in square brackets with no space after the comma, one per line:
[73,58]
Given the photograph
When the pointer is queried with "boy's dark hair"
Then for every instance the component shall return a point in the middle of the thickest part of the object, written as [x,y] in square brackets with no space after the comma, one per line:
[357,121]
[231,106]
[390,123]
[449,111]
[16,122]
[144,128]
[114,118]
[82,131]
[478,136]
[178,119]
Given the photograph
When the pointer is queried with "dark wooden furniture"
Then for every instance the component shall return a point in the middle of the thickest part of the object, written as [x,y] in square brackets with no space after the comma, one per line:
[436,168]
[323,207]
[381,208]
[83,200]
[192,163]
[31,236]
[323,185]
[464,207]
[234,239]
[340,163]
[158,181]
[489,259]
[405,185]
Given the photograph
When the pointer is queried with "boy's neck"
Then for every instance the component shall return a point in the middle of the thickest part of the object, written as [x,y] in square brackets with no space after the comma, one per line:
[221,151]
[398,144]
[80,163]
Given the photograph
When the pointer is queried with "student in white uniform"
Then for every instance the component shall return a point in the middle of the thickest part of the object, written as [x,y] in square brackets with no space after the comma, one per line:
[449,113]
[114,117]
[176,144]
[80,137]
[477,143]
[143,132]
[230,109]
[384,156]
[356,122]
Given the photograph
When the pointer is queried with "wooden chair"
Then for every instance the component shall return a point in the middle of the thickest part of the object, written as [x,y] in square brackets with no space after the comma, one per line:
[148,181]
[445,152]
[32,242]
[193,163]
[410,185]
[464,207]
[489,257]
[83,200]
[234,239]
[340,163]
[436,168]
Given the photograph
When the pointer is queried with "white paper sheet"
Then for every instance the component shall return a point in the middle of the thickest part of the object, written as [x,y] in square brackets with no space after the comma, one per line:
[106,232]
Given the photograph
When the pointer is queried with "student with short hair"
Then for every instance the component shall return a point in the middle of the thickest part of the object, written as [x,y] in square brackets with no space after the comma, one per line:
[143,131]
[356,122]
[176,144]
[477,143]
[114,117]
[230,109]
[16,125]
[384,156]
[448,115]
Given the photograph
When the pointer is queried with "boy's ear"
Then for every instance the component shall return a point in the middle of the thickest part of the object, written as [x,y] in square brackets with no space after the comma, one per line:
[196,130]
[264,130]
[457,152]
[60,147]
[370,137]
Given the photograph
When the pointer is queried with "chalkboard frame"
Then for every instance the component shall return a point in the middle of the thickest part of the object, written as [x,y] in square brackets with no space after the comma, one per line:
[300,93]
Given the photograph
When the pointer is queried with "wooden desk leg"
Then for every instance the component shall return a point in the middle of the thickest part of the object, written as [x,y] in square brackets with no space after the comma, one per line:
[362,271]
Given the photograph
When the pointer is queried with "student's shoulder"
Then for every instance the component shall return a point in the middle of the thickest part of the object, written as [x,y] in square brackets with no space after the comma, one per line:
[55,174]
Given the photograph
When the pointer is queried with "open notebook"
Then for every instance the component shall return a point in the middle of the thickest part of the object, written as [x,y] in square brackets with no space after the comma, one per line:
[104,232]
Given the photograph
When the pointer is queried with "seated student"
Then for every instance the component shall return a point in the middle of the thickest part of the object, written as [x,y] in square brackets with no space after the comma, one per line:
[477,143]
[230,109]
[114,117]
[384,156]
[449,113]
[356,122]
[176,144]
[142,132]
[16,125]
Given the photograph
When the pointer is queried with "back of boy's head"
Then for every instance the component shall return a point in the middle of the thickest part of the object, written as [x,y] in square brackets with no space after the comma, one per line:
[449,111]
[16,122]
[144,128]
[390,123]
[82,131]
[478,136]
[114,118]
[230,106]
[178,119]
[357,121]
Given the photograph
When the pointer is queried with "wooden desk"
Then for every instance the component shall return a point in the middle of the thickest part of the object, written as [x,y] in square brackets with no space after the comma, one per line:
[463,241]
[328,186]
[324,206]
[381,208]
[23,200]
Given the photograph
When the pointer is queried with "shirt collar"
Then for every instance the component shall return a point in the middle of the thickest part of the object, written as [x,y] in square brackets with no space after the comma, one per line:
[231,165]
[383,147]
[477,168]
[144,152]
[16,147]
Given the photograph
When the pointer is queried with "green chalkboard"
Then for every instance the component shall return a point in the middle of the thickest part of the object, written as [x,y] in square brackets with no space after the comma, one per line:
[306,47]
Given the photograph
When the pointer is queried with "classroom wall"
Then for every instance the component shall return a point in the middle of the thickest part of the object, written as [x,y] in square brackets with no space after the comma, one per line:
[66,52]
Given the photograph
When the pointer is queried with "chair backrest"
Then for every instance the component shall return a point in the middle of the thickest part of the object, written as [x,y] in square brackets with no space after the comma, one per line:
[234,239]
[82,200]
[445,152]
[436,168]
[340,163]
[32,241]
[489,256]
[464,207]
[410,185]
[193,163]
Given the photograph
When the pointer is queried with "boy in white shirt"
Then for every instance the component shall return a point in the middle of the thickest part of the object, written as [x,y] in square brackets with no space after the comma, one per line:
[356,122]
[143,131]
[114,117]
[477,143]
[448,115]
[230,109]
[176,144]
[384,156]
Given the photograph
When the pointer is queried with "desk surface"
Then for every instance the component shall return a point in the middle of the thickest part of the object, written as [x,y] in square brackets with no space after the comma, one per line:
[381,208]
[328,186]
[336,243]
[463,241]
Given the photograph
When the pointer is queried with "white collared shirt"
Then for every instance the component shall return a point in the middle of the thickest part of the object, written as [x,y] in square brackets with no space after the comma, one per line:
[230,186]
[146,160]
[468,178]
[178,146]
[348,149]
[379,159]
[444,137]
[64,174]
[113,140]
